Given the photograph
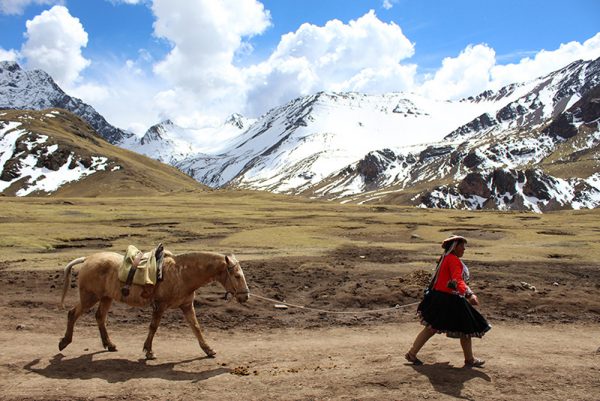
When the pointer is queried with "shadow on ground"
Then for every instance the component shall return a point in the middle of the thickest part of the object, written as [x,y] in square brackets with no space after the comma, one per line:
[119,370]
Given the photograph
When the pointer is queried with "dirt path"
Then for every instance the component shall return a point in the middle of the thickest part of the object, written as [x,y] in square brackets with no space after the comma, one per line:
[547,362]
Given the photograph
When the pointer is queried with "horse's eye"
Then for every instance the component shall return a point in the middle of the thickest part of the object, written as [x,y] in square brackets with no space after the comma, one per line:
[238,276]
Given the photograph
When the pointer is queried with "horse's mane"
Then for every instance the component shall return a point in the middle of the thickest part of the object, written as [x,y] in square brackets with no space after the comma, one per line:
[195,253]
[212,256]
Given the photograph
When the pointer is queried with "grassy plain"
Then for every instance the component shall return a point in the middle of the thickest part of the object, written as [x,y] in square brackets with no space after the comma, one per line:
[354,259]
[38,233]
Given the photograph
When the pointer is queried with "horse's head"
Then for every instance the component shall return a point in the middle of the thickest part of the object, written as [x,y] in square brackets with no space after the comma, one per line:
[235,282]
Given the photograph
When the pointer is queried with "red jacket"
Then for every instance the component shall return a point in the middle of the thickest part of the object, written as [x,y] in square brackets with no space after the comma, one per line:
[451,270]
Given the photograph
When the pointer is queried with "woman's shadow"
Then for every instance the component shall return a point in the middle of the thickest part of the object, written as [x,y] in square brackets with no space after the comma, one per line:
[448,379]
[117,370]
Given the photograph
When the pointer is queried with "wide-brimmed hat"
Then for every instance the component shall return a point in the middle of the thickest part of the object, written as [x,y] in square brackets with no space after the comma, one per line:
[446,243]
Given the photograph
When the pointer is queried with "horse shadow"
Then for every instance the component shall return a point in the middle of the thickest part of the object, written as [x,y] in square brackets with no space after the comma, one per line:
[448,379]
[117,370]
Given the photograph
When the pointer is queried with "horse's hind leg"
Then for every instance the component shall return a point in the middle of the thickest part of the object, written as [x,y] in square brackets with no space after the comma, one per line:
[190,316]
[86,301]
[101,313]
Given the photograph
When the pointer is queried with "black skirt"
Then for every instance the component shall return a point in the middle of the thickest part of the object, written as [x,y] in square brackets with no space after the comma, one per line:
[451,314]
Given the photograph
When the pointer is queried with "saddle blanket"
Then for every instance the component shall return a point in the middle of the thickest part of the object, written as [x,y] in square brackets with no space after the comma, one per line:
[146,270]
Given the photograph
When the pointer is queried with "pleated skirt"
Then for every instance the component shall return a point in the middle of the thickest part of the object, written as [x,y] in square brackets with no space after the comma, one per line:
[451,314]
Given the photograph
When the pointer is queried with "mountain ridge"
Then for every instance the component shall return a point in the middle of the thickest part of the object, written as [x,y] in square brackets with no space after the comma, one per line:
[35,90]
[55,152]
[537,141]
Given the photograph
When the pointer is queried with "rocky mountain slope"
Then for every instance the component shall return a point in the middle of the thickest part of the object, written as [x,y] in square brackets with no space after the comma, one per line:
[530,145]
[539,152]
[170,143]
[36,90]
[55,152]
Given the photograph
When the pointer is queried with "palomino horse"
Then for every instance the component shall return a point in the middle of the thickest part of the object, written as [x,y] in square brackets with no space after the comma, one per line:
[182,276]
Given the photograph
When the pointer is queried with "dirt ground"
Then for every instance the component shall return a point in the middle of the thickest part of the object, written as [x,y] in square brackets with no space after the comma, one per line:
[544,345]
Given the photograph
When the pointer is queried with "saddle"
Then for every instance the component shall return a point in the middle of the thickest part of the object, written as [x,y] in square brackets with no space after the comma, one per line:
[141,269]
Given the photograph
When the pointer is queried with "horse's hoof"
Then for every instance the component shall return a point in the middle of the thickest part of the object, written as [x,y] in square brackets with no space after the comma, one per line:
[112,348]
[210,353]
[62,344]
[150,356]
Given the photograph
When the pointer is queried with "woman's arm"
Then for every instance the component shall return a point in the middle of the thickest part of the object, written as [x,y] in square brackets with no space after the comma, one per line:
[456,281]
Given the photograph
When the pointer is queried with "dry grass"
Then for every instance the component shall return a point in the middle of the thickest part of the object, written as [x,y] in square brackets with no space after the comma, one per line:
[137,174]
[51,231]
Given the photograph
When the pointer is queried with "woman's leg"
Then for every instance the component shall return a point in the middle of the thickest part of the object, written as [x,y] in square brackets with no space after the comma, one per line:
[420,341]
[467,347]
[470,360]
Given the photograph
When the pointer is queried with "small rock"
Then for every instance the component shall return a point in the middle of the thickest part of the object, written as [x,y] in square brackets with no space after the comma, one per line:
[415,236]
[555,284]
[528,286]
[20,327]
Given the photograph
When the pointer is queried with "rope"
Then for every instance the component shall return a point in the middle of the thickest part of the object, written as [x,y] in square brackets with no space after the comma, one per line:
[395,308]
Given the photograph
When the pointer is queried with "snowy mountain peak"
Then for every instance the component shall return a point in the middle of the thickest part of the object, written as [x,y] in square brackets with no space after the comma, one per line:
[35,90]
[157,132]
[351,146]
[236,120]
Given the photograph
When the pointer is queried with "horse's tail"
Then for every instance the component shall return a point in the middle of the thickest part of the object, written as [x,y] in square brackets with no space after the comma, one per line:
[67,278]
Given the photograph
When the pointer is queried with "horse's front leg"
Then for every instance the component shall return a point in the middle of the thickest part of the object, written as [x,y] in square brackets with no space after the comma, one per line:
[190,315]
[157,313]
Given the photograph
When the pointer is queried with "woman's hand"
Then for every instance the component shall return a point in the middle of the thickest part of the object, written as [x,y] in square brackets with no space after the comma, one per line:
[473,300]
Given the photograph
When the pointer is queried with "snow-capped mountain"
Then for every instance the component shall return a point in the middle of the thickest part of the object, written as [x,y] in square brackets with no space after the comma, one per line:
[531,145]
[356,147]
[36,90]
[55,152]
[500,149]
[539,152]
[170,143]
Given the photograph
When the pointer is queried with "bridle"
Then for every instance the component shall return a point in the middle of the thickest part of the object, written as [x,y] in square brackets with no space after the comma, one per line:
[232,283]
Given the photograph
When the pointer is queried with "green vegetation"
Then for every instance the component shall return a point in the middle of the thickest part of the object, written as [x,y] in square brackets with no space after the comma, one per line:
[45,233]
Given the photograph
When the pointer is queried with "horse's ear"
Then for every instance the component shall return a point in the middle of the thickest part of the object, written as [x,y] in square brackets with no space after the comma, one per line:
[230,260]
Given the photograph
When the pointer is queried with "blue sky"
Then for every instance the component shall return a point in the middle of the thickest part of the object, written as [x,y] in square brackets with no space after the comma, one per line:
[195,61]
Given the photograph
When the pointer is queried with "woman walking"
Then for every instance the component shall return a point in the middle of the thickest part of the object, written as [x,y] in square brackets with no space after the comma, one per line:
[448,305]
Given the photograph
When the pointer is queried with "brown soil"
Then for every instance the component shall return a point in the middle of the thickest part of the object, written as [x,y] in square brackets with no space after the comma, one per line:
[544,344]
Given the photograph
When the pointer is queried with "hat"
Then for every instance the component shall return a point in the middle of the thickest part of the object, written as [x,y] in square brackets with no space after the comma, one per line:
[446,243]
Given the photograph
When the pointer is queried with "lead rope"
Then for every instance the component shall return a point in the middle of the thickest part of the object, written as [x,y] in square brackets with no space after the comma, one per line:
[393,308]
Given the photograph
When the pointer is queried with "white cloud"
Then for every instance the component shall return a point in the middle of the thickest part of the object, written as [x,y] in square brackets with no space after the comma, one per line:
[200,78]
[124,94]
[8,55]
[205,36]
[544,62]
[54,42]
[17,7]
[363,55]
[465,75]
[388,4]
[475,69]
[132,2]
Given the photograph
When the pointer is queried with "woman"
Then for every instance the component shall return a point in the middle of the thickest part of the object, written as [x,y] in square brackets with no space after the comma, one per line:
[448,305]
